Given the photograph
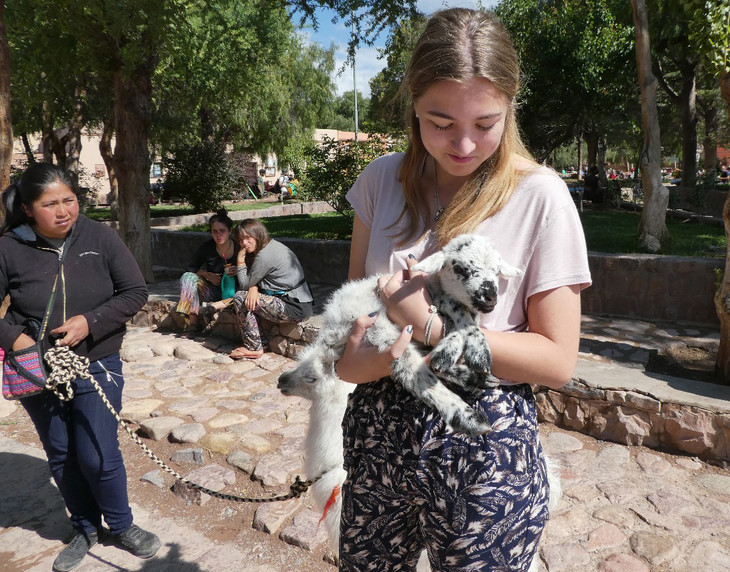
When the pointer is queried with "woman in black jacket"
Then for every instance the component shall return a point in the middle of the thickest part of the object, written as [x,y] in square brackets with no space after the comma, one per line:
[99,289]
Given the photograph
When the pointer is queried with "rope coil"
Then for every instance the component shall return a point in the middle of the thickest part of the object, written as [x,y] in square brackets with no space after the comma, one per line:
[67,366]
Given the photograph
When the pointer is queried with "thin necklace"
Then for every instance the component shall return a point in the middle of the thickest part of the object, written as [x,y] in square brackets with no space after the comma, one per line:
[225,250]
[439,206]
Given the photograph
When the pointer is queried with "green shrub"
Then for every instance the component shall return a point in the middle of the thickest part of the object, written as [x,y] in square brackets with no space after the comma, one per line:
[201,174]
[333,166]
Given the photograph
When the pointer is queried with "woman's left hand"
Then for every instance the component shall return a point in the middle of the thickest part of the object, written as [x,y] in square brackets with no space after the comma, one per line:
[252,298]
[72,332]
[406,299]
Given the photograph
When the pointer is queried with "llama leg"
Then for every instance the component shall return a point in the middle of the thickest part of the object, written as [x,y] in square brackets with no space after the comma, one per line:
[413,375]
[463,376]
[477,354]
[448,351]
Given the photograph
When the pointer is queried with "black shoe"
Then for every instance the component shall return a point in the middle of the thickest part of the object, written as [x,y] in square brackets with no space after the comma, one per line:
[139,542]
[71,556]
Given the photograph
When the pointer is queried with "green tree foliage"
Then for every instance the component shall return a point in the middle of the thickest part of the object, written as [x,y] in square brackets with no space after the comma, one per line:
[366,19]
[579,69]
[251,81]
[333,166]
[341,114]
[387,105]
[202,174]
[241,75]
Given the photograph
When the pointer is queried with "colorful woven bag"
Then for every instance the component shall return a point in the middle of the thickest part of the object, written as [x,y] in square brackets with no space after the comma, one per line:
[24,373]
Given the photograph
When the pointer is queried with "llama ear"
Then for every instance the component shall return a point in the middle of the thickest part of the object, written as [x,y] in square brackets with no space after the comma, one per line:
[509,271]
[431,264]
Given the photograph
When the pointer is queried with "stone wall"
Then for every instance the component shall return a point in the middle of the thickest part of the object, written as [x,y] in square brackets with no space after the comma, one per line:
[652,287]
[640,286]
[323,261]
[633,418]
[709,202]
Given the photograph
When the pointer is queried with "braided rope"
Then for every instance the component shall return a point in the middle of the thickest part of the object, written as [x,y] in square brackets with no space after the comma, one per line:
[66,366]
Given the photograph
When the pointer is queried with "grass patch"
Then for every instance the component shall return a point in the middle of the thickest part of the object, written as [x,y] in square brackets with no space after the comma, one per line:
[616,232]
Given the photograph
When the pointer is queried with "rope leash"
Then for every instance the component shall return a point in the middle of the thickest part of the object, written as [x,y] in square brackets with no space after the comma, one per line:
[66,366]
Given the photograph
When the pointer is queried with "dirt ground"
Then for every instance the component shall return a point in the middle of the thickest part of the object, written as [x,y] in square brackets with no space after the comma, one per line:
[688,362]
[219,520]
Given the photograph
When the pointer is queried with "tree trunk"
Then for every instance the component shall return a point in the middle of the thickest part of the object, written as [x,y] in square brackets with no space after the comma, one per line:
[207,130]
[132,116]
[652,228]
[29,155]
[580,157]
[74,133]
[52,145]
[722,296]
[688,105]
[725,88]
[105,148]
[6,124]
[601,162]
[591,138]
[709,142]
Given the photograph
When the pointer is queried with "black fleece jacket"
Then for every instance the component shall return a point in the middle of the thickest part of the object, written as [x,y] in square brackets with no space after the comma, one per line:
[101,280]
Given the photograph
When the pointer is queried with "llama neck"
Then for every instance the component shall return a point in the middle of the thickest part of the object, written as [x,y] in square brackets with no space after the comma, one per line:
[323,443]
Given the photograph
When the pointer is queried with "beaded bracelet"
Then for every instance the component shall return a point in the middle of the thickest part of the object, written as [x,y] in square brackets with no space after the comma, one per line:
[432,313]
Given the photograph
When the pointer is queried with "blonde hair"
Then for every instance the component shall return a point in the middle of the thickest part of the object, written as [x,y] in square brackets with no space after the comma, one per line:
[460,44]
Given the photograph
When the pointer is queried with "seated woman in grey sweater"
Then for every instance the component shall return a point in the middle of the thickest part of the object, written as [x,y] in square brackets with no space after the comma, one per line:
[271,286]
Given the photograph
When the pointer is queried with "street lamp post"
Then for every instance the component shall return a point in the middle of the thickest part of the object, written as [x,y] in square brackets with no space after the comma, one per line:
[354,80]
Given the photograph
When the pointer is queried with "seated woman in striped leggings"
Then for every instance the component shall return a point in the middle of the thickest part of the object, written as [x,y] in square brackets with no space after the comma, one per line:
[204,274]
[271,286]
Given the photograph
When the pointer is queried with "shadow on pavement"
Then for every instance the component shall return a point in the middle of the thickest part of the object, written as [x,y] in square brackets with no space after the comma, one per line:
[29,499]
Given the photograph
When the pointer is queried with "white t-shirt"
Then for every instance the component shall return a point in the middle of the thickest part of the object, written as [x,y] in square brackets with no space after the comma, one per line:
[538,231]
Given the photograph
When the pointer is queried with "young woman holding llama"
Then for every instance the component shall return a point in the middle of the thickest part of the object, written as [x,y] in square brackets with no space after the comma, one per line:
[473,502]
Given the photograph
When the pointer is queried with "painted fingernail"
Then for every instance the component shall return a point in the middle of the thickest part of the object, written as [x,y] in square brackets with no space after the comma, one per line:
[411,256]
[372,314]
[409,329]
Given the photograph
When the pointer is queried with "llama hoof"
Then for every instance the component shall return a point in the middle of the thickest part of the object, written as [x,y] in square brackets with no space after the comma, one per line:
[486,380]
[472,423]
[442,362]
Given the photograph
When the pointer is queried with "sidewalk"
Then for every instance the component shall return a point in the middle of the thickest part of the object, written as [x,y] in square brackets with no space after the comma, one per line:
[624,508]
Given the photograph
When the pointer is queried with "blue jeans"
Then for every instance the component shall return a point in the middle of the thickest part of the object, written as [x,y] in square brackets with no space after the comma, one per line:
[80,441]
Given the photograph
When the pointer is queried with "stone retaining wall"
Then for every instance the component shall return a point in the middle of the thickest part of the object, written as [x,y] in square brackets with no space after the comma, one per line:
[654,288]
[638,286]
[323,261]
[632,418]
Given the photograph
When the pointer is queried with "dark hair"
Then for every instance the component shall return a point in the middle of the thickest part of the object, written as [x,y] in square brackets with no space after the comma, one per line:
[255,228]
[27,189]
[221,216]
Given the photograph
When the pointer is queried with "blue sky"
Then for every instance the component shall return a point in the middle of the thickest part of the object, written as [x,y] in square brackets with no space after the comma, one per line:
[367,63]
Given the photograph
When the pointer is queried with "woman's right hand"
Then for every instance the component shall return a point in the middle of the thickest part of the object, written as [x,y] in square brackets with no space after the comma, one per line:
[362,362]
[23,341]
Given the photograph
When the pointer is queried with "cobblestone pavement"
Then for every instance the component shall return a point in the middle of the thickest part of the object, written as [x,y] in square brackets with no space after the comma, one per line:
[225,425]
